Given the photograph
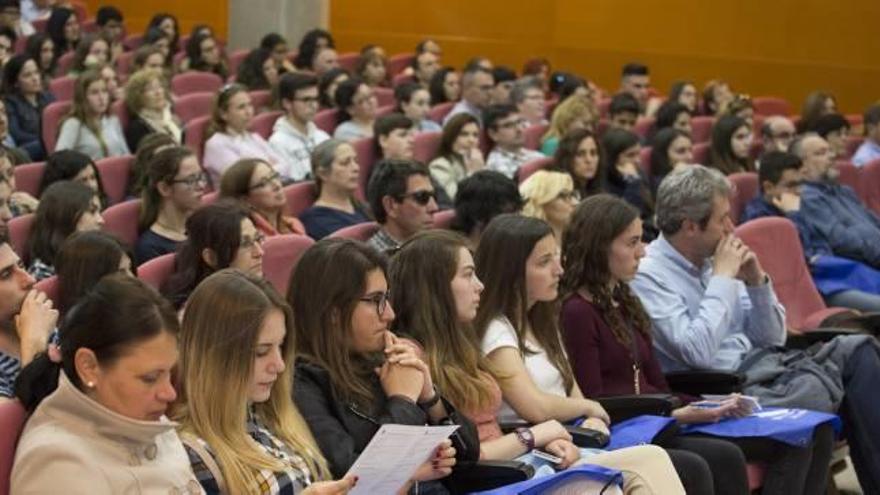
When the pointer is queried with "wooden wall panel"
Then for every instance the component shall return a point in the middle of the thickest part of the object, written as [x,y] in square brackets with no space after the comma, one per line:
[784,47]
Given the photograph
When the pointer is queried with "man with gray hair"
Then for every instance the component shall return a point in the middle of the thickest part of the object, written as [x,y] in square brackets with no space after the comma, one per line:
[712,307]
[476,90]
[777,133]
[528,97]
[831,210]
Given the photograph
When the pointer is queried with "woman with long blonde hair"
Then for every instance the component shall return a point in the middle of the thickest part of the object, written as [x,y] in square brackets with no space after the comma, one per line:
[240,427]
[577,112]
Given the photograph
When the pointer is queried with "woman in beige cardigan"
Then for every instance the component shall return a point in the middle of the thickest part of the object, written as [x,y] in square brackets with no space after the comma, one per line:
[102,427]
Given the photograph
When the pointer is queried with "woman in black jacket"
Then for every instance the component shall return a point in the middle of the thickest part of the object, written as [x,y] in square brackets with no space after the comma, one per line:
[352,374]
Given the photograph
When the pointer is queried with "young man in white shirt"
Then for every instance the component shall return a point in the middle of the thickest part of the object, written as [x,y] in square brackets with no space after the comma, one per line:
[295,134]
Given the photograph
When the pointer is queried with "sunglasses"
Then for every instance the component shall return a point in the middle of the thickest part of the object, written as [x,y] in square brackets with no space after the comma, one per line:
[421,197]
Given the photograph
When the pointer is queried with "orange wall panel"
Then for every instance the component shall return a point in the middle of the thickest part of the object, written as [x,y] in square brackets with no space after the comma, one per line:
[137,14]
[785,47]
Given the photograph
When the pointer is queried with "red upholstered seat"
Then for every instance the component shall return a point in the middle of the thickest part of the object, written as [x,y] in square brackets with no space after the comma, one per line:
[280,255]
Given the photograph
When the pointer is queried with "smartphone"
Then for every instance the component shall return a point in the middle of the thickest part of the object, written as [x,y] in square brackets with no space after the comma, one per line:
[540,454]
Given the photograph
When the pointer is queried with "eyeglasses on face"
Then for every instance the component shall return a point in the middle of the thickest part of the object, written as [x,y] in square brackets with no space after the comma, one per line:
[380,300]
[274,178]
[193,180]
[249,242]
[421,197]
[569,195]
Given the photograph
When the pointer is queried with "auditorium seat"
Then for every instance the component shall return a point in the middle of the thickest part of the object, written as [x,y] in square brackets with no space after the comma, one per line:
[426,146]
[852,145]
[397,63]
[645,160]
[300,197]
[701,153]
[115,171]
[644,126]
[53,114]
[776,243]
[121,220]
[401,79]
[870,174]
[439,112]
[65,63]
[848,175]
[530,167]
[533,135]
[262,124]
[745,188]
[193,82]
[19,230]
[124,64]
[280,256]
[701,128]
[348,60]
[385,96]
[157,270]
[236,57]
[359,232]
[193,105]
[385,110]
[194,134]
[261,99]
[49,286]
[12,419]
[365,151]
[133,41]
[28,177]
[62,87]
[327,120]
[443,219]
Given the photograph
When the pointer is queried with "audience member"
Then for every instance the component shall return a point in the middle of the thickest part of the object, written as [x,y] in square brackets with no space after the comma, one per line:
[731,141]
[551,197]
[64,29]
[817,104]
[18,202]
[625,177]
[479,62]
[341,328]
[41,49]
[8,38]
[85,258]
[259,71]
[166,24]
[504,126]
[403,201]
[834,128]
[579,156]
[163,42]
[90,127]
[424,66]
[712,306]
[275,44]
[65,207]
[311,43]
[148,57]
[25,100]
[257,186]
[673,114]
[111,25]
[172,190]
[777,132]
[93,50]
[459,155]
[444,85]
[540,69]
[476,88]
[685,92]
[220,235]
[716,96]
[414,102]
[504,79]
[528,96]
[357,106]
[327,85]
[741,106]
[148,101]
[73,166]
[15,154]
[480,198]
[295,135]
[671,149]
[608,339]
[636,81]
[335,172]
[237,327]
[203,55]
[371,68]
[147,149]
[98,399]
[572,114]
[394,135]
[623,112]
[325,59]
[869,150]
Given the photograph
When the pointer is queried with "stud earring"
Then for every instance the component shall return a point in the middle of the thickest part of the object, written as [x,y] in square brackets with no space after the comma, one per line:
[90,384]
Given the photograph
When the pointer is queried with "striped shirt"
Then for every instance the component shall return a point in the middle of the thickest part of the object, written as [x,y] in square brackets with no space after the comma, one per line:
[9,369]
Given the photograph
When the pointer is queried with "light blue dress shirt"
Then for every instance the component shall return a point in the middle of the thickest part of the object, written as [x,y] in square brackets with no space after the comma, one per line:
[701,320]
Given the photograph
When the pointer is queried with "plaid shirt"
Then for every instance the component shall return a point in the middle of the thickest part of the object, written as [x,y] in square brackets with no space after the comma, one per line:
[292,480]
[9,369]
[383,242]
[40,270]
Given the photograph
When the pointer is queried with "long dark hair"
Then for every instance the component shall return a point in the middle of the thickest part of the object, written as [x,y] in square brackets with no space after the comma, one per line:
[163,167]
[722,156]
[194,53]
[148,147]
[250,72]
[660,166]
[55,28]
[501,258]
[216,227]
[450,133]
[308,45]
[563,161]
[437,85]
[34,48]
[85,258]
[614,143]
[117,313]
[156,21]
[61,207]
[586,246]
[324,84]
[67,164]
[11,70]
[322,313]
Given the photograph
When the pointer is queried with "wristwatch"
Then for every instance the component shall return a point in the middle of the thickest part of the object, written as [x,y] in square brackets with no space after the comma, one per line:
[428,404]
[525,437]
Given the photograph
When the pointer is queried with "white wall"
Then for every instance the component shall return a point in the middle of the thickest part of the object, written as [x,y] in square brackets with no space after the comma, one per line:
[249,20]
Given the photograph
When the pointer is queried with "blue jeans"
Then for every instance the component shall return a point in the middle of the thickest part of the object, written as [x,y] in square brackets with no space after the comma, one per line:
[861,416]
[855,299]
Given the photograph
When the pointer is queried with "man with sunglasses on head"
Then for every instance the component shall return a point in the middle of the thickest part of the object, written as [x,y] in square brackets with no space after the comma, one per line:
[780,180]
[403,201]
[505,128]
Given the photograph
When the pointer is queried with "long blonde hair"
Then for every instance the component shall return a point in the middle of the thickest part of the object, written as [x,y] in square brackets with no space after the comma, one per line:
[567,112]
[218,342]
[541,188]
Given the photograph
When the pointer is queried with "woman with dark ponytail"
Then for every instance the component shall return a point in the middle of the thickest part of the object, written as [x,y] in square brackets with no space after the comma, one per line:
[98,399]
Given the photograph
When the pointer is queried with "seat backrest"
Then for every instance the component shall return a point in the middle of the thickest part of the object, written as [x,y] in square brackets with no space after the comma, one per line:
[385,96]
[327,120]
[28,177]
[348,60]
[771,105]
[193,105]
[870,174]
[194,134]
[644,126]
[124,63]
[439,111]
[401,79]
[300,197]
[65,63]
[848,175]
[645,160]
[365,151]
[701,153]
[195,81]
[115,171]
[261,99]
[133,41]
[852,145]
[62,87]
[443,219]
[118,109]
[359,232]
[426,145]
[280,255]
[530,167]
[745,187]
[19,230]
[776,243]
[49,286]
[156,271]
[385,110]
[52,115]
[262,124]
[397,63]
[121,220]
[236,57]
[533,134]
[12,419]
[701,128]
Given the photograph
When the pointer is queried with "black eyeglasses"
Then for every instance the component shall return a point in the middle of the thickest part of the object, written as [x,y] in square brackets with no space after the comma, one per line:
[193,180]
[421,197]
[569,195]
[307,99]
[275,177]
[249,242]
[379,299]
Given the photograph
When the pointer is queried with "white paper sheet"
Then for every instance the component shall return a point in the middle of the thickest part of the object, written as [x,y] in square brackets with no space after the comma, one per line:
[393,455]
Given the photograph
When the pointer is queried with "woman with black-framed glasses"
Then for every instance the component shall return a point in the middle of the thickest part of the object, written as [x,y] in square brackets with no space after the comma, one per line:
[253,182]
[173,187]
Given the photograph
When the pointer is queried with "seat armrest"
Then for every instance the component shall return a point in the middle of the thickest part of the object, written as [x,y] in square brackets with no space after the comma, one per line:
[586,438]
[810,337]
[487,475]
[698,382]
[623,407]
